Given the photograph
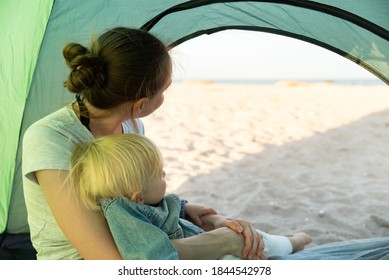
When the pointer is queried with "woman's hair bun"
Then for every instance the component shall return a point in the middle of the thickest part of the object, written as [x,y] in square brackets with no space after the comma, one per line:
[86,69]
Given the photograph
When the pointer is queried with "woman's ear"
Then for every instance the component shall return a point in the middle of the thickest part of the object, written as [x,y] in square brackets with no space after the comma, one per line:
[136,197]
[139,106]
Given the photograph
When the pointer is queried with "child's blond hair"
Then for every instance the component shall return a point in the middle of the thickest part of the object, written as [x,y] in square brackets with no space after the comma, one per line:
[113,166]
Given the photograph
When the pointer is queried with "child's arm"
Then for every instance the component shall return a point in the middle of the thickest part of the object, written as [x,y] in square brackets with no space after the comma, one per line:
[207,218]
[194,212]
[214,221]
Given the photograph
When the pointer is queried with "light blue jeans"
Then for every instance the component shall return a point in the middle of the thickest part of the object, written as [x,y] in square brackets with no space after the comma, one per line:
[362,249]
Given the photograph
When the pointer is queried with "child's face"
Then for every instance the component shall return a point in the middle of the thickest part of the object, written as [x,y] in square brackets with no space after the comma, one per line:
[156,191]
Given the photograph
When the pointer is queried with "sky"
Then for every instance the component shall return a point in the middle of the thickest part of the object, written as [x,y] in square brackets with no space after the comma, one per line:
[248,55]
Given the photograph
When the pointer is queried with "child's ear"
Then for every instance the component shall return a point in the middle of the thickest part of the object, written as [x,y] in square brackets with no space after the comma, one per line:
[137,197]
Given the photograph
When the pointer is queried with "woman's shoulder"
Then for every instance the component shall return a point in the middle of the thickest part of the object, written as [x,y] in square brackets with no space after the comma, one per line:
[62,123]
[50,120]
[63,115]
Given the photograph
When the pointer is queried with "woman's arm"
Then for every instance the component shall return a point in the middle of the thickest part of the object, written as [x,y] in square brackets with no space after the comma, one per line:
[208,219]
[87,230]
[253,241]
[210,245]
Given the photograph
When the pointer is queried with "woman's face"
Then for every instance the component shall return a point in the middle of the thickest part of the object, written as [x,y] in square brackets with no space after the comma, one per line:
[151,105]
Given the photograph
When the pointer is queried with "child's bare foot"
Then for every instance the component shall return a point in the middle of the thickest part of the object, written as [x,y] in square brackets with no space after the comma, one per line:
[299,241]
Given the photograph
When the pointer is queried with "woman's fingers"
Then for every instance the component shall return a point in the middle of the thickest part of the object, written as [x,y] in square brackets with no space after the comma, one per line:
[253,246]
[235,226]
[253,242]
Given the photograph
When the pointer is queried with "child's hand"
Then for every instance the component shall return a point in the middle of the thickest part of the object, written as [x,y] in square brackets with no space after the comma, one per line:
[194,212]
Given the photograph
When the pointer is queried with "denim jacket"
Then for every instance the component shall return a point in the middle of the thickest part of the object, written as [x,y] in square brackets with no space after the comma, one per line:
[143,232]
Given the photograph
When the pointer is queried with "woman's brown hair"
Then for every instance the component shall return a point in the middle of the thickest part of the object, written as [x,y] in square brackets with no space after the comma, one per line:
[122,65]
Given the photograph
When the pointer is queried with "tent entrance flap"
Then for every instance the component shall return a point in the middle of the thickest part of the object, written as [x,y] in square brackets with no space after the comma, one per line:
[357,37]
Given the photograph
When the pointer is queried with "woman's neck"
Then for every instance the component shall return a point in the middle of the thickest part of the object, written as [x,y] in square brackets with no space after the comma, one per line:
[105,126]
[103,122]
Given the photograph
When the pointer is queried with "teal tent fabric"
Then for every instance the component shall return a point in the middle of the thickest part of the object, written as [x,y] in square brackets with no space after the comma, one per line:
[32,66]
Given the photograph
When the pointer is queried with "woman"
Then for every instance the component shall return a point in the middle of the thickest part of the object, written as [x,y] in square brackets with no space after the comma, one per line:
[120,79]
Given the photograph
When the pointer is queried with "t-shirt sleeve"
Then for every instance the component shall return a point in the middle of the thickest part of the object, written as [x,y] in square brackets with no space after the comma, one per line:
[45,148]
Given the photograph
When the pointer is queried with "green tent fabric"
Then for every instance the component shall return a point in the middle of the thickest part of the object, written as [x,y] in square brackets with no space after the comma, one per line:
[34,32]
[25,23]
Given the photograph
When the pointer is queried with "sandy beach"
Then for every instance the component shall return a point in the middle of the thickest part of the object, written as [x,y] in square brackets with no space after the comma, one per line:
[289,157]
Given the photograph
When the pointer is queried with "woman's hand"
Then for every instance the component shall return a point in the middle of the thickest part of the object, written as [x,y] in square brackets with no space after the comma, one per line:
[208,219]
[253,241]
[194,212]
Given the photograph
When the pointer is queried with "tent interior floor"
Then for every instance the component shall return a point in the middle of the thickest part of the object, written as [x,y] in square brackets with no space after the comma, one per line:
[16,247]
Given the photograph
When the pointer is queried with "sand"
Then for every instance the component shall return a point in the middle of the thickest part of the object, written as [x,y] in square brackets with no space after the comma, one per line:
[288,157]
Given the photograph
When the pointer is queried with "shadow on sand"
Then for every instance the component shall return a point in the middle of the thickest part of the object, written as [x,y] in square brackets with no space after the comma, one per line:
[333,185]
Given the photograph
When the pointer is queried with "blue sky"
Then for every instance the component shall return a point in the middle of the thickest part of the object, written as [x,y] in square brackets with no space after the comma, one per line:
[254,55]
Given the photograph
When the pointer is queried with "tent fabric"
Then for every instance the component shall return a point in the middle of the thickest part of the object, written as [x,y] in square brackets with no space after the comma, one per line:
[33,69]
[19,47]
[336,30]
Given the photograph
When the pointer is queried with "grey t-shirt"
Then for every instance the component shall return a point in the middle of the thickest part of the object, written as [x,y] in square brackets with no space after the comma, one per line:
[47,144]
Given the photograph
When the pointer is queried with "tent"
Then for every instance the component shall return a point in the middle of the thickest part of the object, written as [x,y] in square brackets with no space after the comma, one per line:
[32,68]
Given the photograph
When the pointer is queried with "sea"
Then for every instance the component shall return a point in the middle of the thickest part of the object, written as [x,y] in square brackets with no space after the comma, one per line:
[365,82]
